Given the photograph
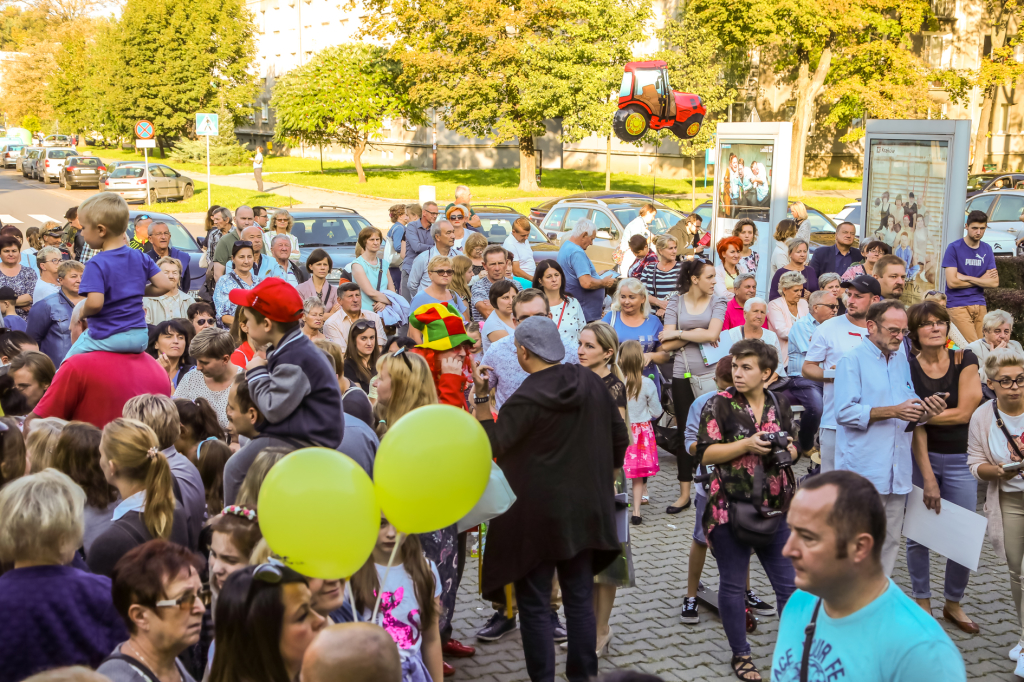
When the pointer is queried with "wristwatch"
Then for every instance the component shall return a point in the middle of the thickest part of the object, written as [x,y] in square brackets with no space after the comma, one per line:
[481,399]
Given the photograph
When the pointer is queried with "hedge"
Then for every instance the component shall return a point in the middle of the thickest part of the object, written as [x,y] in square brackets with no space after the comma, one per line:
[1010,294]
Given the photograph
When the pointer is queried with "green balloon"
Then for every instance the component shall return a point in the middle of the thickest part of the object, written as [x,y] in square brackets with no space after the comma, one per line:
[431,468]
[318,512]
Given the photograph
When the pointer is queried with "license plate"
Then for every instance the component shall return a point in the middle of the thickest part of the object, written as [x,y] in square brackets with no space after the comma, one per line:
[88,171]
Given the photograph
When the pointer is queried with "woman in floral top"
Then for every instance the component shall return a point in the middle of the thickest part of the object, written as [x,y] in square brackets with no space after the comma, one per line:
[747,232]
[872,252]
[730,438]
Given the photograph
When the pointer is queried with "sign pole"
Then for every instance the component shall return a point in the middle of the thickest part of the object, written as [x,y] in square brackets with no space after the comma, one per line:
[145,155]
[208,189]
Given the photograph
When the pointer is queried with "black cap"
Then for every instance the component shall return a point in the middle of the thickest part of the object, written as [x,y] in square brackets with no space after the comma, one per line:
[865,284]
[8,294]
[55,232]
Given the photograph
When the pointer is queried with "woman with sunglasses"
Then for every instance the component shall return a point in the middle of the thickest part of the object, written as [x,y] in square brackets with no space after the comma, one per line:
[264,623]
[458,215]
[242,277]
[282,224]
[201,314]
[164,616]
[361,353]
[168,343]
[440,271]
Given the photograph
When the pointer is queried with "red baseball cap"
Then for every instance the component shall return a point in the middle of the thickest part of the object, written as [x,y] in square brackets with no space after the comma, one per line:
[273,298]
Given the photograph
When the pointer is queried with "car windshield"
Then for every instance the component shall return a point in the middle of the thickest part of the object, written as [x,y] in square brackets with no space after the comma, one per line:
[180,237]
[819,223]
[128,172]
[89,163]
[15,147]
[664,220]
[59,154]
[497,229]
[976,182]
[328,230]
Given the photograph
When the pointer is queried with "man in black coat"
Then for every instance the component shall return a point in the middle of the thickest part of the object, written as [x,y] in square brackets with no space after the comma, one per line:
[559,442]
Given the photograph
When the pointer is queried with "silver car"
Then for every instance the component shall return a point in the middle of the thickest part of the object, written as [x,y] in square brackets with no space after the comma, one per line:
[51,161]
[1004,209]
[27,161]
[130,182]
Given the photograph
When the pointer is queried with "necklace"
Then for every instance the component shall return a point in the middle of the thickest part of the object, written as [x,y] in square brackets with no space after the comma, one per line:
[142,659]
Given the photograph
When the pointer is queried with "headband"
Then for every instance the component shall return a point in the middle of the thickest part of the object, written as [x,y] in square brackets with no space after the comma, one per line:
[243,512]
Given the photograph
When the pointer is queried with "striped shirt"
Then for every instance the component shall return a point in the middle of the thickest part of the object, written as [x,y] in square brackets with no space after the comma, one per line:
[660,284]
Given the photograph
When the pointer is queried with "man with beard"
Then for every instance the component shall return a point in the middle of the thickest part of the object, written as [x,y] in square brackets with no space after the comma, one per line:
[891,273]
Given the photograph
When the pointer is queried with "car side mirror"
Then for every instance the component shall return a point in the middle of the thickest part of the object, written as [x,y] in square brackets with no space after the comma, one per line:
[552,236]
[604,234]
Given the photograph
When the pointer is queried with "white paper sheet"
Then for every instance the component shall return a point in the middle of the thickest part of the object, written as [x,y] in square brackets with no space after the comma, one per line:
[712,354]
[955,533]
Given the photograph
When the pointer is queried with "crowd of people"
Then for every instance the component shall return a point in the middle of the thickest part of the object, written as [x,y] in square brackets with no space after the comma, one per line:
[141,418]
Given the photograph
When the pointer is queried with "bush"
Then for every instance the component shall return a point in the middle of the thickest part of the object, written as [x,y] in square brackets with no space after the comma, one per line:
[1009,299]
[223,154]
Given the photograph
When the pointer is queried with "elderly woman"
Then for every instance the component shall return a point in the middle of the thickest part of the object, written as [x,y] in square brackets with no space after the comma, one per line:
[168,344]
[755,310]
[32,372]
[319,266]
[787,309]
[440,271]
[940,448]
[660,279]
[54,613]
[996,327]
[990,447]
[872,251]
[241,277]
[48,260]
[211,379]
[832,283]
[14,274]
[798,249]
[475,245]
[313,318]
[631,319]
[370,272]
[282,223]
[729,250]
[160,596]
[784,231]
[171,305]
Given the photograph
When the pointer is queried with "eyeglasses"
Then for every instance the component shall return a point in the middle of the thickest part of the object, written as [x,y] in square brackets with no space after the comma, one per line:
[933,323]
[280,220]
[428,212]
[201,321]
[444,273]
[895,331]
[1007,382]
[55,260]
[833,306]
[186,601]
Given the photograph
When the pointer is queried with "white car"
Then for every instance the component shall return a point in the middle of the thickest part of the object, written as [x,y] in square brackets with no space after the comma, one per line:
[51,162]
[1004,209]
[849,214]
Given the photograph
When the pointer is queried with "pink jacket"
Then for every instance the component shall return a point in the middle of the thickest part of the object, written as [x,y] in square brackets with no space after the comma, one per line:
[780,321]
[978,453]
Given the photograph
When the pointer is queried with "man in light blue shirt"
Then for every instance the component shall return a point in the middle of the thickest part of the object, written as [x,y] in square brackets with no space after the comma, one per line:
[443,233]
[822,306]
[580,275]
[874,403]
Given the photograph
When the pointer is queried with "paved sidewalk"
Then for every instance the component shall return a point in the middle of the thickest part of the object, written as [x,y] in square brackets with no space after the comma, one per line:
[649,637]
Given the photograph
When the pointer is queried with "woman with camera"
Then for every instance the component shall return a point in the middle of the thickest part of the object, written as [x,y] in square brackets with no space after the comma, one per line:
[744,432]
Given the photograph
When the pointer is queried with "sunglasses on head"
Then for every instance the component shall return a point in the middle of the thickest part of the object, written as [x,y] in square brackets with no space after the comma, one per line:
[398,353]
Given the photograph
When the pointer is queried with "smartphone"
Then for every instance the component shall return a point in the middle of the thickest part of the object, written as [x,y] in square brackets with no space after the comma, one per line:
[1013,466]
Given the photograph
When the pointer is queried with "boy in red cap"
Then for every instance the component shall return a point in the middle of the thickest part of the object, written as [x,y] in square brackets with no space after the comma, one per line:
[294,388]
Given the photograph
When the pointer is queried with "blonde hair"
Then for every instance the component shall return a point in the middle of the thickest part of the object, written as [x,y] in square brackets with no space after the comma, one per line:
[41,518]
[249,493]
[49,225]
[790,280]
[159,413]
[799,211]
[283,213]
[106,209]
[461,265]
[1002,357]
[133,447]
[473,242]
[212,343]
[412,386]
[333,351]
[661,241]
[41,440]
[633,286]
[631,362]
[261,553]
[609,341]
[168,260]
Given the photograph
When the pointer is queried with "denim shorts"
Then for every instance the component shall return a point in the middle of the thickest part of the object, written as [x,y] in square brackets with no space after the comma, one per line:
[699,503]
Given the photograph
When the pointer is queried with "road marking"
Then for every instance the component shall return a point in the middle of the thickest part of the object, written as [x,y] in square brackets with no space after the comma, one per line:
[43,218]
[9,220]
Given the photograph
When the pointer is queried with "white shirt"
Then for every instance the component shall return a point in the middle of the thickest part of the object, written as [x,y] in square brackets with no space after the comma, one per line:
[491,325]
[135,503]
[831,341]
[44,289]
[1000,449]
[636,226]
[735,334]
[257,161]
[646,407]
[568,315]
[521,252]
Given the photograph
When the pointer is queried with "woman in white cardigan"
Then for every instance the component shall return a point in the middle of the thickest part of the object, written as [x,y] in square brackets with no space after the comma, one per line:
[988,450]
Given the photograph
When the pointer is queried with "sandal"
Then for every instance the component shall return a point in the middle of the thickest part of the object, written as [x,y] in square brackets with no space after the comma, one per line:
[742,666]
[645,499]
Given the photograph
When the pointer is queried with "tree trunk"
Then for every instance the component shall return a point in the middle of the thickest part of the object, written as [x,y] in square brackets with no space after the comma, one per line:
[321,146]
[808,87]
[527,164]
[981,138]
[357,158]
[608,165]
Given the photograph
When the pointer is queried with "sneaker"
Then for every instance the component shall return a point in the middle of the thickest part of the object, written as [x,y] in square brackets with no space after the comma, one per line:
[497,627]
[757,606]
[690,616]
[560,634]
[1015,652]
[1019,670]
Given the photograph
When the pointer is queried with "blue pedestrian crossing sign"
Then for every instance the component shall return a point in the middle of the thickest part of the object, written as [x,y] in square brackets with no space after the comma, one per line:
[206,124]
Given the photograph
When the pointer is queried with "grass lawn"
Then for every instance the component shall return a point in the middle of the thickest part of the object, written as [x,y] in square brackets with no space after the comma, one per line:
[271,164]
[833,183]
[224,196]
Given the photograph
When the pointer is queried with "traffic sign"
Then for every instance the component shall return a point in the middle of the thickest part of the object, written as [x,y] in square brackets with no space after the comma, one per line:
[149,144]
[144,130]
[206,124]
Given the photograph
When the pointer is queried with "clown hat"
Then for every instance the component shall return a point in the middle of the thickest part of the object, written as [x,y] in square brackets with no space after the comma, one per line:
[441,325]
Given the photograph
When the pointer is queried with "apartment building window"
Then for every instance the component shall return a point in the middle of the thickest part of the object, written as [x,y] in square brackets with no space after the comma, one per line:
[1003,120]
[265,112]
[938,50]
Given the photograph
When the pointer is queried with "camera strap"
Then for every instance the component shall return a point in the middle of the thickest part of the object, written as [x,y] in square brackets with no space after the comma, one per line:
[1009,438]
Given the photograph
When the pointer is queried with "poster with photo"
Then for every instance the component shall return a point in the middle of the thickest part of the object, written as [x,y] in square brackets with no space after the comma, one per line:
[905,206]
[744,183]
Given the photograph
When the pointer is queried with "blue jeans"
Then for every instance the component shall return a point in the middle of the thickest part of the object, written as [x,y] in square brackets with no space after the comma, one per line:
[957,485]
[131,341]
[733,560]
[807,393]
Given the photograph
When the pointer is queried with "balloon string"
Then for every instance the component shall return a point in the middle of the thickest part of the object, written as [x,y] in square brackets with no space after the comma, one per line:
[351,599]
[383,582]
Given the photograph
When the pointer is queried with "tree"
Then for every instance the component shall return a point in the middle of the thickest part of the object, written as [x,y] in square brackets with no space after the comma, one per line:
[500,68]
[808,37]
[25,78]
[71,70]
[342,96]
[998,68]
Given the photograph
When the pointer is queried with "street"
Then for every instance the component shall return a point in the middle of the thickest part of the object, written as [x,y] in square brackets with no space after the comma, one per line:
[26,203]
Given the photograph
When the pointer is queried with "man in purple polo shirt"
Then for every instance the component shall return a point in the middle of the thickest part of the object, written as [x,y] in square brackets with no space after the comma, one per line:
[970,268]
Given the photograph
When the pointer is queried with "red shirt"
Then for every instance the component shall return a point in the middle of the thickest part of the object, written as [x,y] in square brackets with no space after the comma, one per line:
[93,387]
[734,316]
[242,355]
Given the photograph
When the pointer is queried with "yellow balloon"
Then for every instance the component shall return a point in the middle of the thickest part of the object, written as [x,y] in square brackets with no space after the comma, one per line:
[431,468]
[318,512]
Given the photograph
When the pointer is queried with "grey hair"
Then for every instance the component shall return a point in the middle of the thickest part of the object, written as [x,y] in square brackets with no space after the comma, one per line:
[582,228]
[312,303]
[742,277]
[435,229]
[225,213]
[995,318]
[43,254]
[278,237]
[824,280]
[755,300]
[791,279]
[633,286]
[793,243]
[815,298]
[41,518]
[460,191]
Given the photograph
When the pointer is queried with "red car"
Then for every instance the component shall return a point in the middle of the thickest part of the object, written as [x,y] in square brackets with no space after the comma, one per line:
[647,101]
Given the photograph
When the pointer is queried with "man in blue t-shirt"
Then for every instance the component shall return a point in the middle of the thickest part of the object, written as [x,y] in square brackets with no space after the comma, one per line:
[970,268]
[865,627]
[580,275]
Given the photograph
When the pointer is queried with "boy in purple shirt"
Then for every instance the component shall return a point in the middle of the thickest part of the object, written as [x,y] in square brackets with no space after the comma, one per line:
[114,281]
[970,268]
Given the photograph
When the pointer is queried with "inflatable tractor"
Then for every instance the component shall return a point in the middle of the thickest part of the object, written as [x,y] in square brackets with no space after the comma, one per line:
[647,101]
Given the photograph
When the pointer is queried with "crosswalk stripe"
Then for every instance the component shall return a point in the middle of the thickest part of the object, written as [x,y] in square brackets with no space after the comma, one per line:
[43,218]
[9,220]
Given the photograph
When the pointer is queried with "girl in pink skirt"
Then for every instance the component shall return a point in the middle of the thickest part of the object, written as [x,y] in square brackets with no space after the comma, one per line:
[644,408]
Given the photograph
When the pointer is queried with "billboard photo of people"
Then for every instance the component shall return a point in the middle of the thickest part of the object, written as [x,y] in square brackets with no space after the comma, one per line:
[745,180]
[905,206]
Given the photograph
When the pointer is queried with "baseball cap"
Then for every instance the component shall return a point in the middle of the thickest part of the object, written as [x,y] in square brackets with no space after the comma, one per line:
[865,284]
[540,336]
[273,298]
[53,233]
[8,294]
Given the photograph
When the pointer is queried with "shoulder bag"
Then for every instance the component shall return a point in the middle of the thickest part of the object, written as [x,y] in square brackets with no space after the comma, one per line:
[497,499]
[698,384]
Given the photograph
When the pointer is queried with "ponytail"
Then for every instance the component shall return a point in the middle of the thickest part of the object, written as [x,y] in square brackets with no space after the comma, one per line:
[631,362]
[134,448]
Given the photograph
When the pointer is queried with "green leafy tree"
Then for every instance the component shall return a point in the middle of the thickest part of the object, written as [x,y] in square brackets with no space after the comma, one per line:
[342,96]
[998,69]
[500,68]
[71,70]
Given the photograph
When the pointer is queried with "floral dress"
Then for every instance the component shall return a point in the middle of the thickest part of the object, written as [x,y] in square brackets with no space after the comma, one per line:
[441,547]
[225,285]
[22,283]
[620,572]
[748,263]
[726,418]
[570,320]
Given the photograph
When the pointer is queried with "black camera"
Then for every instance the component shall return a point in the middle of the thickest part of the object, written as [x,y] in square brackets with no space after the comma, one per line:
[779,454]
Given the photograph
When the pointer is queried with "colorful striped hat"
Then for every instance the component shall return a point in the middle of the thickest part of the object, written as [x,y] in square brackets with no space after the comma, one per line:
[441,325]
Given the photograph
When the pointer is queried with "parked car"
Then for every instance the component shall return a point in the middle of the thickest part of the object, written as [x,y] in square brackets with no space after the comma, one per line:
[331,228]
[537,213]
[27,161]
[50,163]
[496,224]
[849,214]
[993,182]
[1004,210]
[610,216]
[823,228]
[181,238]
[130,182]
[81,170]
[10,153]
[114,165]
[57,141]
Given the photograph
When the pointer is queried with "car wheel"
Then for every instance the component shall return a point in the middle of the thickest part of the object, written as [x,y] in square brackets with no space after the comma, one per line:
[152,197]
[689,128]
[631,122]
[187,193]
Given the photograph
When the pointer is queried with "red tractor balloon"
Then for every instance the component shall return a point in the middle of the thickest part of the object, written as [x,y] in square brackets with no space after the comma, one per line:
[647,101]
